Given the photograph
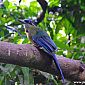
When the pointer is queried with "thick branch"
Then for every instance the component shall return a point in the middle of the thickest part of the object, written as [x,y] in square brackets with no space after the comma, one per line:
[29,56]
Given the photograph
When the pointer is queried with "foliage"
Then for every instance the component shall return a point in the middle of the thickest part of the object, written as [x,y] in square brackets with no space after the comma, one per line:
[66,28]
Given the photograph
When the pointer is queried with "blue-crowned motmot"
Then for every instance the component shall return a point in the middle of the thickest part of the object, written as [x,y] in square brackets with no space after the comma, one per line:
[41,39]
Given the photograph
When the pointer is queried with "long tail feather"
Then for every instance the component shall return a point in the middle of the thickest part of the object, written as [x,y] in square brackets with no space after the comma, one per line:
[58,66]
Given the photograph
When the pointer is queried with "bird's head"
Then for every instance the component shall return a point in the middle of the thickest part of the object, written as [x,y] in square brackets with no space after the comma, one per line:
[29,26]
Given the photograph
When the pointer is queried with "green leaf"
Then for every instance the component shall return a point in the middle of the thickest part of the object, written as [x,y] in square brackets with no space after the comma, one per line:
[26,75]
[1,12]
[6,3]
[1,80]
[54,3]
[28,79]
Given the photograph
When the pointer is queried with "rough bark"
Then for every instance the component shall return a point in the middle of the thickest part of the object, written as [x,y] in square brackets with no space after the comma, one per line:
[29,56]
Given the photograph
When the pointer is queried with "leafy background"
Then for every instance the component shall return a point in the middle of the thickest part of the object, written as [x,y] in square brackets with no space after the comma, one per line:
[66,28]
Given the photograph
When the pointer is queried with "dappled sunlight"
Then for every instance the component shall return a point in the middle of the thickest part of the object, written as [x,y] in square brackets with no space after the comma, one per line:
[23,2]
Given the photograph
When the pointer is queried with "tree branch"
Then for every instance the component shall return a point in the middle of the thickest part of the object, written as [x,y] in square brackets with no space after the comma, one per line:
[29,56]
[43,5]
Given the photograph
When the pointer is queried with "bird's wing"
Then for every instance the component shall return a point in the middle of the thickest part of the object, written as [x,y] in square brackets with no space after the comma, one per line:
[50,42]
[45,42]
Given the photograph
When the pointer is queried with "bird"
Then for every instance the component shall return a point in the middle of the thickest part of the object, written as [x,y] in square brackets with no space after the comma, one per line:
[42,40]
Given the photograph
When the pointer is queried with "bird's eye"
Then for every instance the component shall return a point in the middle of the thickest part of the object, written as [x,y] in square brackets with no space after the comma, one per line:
[27,30]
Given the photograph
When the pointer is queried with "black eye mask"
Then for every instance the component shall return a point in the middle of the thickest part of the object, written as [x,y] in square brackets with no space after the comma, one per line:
[27,31]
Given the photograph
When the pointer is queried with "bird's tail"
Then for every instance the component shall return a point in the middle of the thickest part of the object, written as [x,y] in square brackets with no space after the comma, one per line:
[58,66]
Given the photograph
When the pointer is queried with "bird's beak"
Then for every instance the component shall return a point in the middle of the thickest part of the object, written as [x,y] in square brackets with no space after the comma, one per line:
[22,21]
